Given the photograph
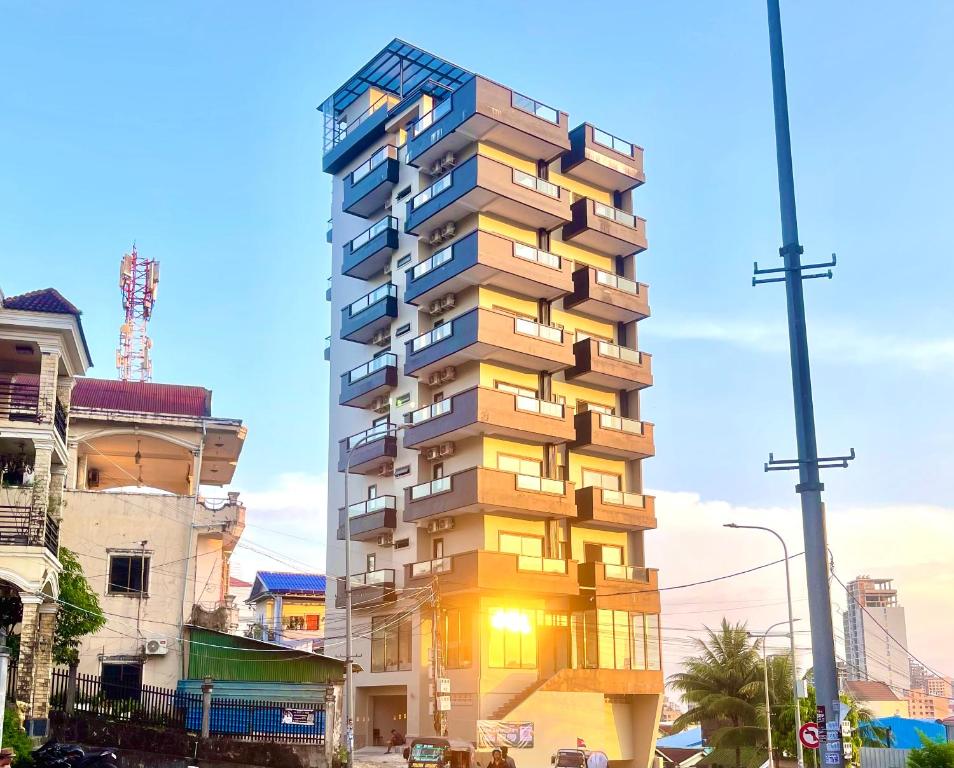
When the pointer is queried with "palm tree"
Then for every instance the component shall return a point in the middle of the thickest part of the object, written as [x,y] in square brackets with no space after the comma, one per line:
[723,685]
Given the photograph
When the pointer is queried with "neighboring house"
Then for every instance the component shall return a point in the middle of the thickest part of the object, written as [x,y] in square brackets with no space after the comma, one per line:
[680,757]
[240,591]
[42,351]
[877,698]
[289,609]
[155,550]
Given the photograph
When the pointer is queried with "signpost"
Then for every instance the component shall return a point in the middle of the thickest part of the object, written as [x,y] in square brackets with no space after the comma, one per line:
[808,735]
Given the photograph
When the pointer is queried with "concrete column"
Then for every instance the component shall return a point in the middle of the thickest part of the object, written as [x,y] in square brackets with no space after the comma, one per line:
[330,740]
[82,472]
[72,460]
[196,472]
[35,664]
[57,484]
[207,687]
[49,372]
[42,465]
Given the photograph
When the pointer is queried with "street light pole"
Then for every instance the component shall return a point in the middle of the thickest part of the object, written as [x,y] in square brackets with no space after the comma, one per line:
[800,751]
[347,732]
[768,703]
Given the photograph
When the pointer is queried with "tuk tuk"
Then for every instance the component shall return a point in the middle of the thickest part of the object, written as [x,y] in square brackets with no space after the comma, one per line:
[438,752]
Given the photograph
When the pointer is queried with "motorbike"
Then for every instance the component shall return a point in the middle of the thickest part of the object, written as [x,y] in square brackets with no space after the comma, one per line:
[54,754]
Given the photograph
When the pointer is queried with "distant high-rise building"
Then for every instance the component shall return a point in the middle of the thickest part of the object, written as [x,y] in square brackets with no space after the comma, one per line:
[938,686]
[919,675]
[875,634]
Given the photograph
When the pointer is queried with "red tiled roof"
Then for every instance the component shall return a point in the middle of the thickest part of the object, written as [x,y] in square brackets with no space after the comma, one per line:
[142,397]
[233,582]
[869,690]
[44,300]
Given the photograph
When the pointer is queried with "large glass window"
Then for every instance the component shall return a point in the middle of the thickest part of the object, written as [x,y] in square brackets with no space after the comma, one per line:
[515,544]
[458,633]
[390,643]
[519,465]
[599,479]
[609,639]
[512,639]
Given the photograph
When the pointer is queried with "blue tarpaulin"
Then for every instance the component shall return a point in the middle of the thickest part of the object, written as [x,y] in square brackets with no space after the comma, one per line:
[904,732]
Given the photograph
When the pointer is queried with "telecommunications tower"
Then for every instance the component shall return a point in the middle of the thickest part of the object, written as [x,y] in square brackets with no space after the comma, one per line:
[138,283]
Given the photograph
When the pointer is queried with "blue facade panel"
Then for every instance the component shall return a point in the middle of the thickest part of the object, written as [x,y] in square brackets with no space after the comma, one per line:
[463,257]
[463,180]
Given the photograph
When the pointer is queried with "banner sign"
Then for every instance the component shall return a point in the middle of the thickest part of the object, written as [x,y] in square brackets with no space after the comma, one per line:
[499,733]
[298,717]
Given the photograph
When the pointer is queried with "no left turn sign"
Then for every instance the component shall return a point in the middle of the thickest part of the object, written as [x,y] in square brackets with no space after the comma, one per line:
[808,735]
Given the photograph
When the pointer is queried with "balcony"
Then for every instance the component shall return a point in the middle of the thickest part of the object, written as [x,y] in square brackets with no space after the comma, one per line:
[496,571]
[21,526]
[482,258]
[485,411]
[346,140]
[601,434]
[370,252]
[605,229]
[361,385]
[604,160]
[373,312]
[481,110]
[370,450]
[20,402]
[485,334]
[608,296]
[369,185]
[368,590]
[615,510]
[620,587]
[370,518]
[610,365]
[487,185]
[481,489]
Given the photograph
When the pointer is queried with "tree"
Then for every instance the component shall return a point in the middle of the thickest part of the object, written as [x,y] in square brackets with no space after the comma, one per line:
[722,685]
[932,755]
[79,614]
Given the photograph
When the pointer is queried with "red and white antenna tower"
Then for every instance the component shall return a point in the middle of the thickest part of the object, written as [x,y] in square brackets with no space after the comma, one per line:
[138,283]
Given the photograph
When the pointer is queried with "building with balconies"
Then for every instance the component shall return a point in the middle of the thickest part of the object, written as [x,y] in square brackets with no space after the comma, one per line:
[42,352]
[488,443]
[289,609]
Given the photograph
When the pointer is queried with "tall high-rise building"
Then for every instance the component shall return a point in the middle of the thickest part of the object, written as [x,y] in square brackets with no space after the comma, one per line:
[485,360]
[875,634]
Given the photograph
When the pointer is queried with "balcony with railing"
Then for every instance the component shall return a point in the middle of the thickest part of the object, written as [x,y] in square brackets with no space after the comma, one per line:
[370,450]
[607,296]
[347,136]
[602,434]
[369,590]
[605,229]
[369,185]
[484,184]
[373,312]
[602,159]
[361,385]
[22,526]
[619,587]
[20,402]
[482,489]
[485,411]
[483,258]
[485,334]
[369,518]
[370,252]
[481,110]
[610,365]
[615,510]
[483,570]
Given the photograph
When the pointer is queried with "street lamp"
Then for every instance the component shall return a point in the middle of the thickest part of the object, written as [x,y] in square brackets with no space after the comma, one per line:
[347,732]
[799,750]
[768,703]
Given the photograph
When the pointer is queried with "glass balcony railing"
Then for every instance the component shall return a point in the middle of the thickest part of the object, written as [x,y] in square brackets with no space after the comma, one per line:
[383,577]
[533,328]
[528,253]
[429,118]
[435,189]
[378,294]
[543,407]
[363,371]
[530,181]
[615,214]
[627,355]
[342,129]
[428,412]
[615,281]
[623,498]
[540,484]
[621,424]
[440,257]
[540,564]
[388,222]
[377,504]
[432,337]
[376,432]
[430,567]
[613,142]
[385,152]
[423,490]
[535,107]
[625,572]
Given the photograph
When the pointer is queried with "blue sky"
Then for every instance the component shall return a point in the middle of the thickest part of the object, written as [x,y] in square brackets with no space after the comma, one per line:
[192,129]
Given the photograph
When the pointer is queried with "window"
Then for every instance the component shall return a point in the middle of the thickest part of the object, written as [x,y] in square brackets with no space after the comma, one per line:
[437,549]
[402,543]
[371,563]
[129,574]
[438,471]
[403,470]
[403,193]
[512,640]
[404,260]
[457,639]
[403,329]
[599,479]
[121,682]
[519,465]
[402,399]
[609,639]
[517,544]
[514,389]
[390,643]
[602,553]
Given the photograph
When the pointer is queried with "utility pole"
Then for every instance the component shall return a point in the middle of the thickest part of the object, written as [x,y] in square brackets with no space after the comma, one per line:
[808,462]
[440,719]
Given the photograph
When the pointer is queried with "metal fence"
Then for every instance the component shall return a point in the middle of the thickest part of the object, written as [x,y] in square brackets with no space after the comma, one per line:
[246,719]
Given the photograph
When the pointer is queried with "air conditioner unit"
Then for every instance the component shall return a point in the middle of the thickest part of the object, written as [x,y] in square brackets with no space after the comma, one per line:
[448,374]
[382,338]
[449,301]
[435,378]
[386,470]
[92,478]
[448,161]
[440,524]
[445,449]
[435,238]
[385,540]
[431,454]
[435,307]
[156,647]
[436,168]
[449,230]
[380,404]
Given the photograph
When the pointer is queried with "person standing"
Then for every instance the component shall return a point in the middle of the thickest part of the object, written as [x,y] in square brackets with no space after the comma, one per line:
[508,760]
